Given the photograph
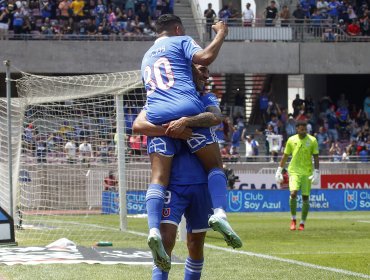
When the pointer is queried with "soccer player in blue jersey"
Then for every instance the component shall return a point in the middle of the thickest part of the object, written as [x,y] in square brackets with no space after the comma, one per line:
[204,119]
[166,71]
[186,194]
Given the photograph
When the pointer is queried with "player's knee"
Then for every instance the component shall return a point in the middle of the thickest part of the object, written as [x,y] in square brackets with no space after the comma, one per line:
[305,198]
[160,179]
[293,195]
[195,248]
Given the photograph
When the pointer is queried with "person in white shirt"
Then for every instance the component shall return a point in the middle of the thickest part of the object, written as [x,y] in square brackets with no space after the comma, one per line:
[248,148]
[85,152]
[248,15]
[70,151]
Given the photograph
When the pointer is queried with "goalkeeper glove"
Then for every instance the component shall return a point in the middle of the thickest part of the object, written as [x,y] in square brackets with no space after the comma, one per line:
[279,175]
[315,177]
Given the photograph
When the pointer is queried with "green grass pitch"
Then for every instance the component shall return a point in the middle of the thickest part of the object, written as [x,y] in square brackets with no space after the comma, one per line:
[333,246]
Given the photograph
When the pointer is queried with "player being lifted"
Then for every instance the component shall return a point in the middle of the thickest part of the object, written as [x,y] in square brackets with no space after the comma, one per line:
[302,147]
[167,74]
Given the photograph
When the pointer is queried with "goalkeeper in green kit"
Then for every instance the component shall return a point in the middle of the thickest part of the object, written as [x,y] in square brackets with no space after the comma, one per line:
[302,147]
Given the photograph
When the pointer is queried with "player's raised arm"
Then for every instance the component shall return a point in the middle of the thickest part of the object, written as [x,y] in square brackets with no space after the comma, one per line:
[208,55]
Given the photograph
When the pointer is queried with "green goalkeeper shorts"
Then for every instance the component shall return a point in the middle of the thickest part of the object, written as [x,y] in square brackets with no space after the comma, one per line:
[299,182]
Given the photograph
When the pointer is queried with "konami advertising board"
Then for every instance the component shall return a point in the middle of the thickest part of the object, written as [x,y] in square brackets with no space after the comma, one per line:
[345,181]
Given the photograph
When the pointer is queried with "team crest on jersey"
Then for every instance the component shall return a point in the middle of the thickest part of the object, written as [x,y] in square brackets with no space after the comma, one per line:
[166,212]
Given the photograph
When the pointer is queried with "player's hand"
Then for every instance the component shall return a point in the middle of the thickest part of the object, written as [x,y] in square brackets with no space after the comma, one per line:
[315,177]
[188,132]
[220,27]
[175,128]
[279,175]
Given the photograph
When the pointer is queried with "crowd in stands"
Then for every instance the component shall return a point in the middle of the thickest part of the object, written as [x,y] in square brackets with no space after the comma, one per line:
[84,135]
[341,129]
[82,17]
[348,16]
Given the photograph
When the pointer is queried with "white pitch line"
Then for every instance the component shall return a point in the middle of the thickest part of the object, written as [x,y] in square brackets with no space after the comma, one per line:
[368,222]
[337,270]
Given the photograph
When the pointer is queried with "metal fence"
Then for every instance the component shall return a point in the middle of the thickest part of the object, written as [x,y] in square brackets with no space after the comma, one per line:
[259,30]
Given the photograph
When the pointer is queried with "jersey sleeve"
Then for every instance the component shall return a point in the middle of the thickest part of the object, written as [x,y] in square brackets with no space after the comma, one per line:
[190,47]
[315,147]
[288,147]
[210,100]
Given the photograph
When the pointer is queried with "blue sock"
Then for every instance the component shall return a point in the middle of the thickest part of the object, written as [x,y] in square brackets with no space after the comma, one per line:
[158,274]
[193,269]
[154,204]
[217,187]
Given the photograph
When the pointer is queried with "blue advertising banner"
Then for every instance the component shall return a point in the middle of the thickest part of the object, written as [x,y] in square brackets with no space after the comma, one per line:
[278,200]
[259,201]
[135,202]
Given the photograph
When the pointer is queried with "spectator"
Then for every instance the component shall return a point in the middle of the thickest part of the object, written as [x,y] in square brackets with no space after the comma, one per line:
[305,6]
[28,137]
[364,25]
[351,13]
[255,146]
[309,105]
[248,15]
[103,152]
[224,14]
[351,150]
[65,11]
[323,141]
[17,21]
[110,182]
[271,13]
[239,104]
[77,7]
[85,152]
[354,28]
[275,142]
[91,27]
[235,141]
[299,16]
[332,124]
[322,8]
[343,120]
[210,16]
[248,149]
[290,126]
[274,123]
[135,145]
[225,152]
[4,22]
[298,105]
[285,16]
[70,151]
[41,149]
[335,152]
[263,105]
[367,104]
[142,18]
[333,10]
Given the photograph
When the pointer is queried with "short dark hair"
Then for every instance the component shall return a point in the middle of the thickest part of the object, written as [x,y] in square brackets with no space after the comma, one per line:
[165,21]
[301,123]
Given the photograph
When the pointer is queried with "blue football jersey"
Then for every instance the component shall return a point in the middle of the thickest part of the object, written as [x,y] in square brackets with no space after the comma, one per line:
[167,75]
[209,100]
[186,168]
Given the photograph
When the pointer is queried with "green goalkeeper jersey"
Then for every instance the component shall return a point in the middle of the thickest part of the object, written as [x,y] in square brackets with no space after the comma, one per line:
[301,151]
